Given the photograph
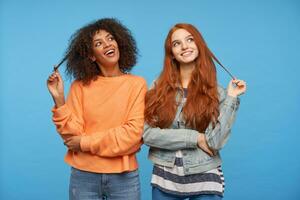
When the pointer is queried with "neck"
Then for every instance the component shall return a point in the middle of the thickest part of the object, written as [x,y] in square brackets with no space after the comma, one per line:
[186,71]
[110,71]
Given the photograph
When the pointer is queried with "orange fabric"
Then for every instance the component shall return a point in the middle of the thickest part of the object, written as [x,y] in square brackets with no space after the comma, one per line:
[109,114]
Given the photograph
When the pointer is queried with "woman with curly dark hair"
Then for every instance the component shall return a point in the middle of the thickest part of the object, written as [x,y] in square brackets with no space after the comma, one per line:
[101,122]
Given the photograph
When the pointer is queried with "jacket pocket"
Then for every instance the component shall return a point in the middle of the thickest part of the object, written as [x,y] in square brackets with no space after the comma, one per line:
[162,154]
[197,157]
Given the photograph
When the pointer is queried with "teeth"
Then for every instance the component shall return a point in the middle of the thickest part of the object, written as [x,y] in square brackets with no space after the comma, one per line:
[186,53]
[109,51]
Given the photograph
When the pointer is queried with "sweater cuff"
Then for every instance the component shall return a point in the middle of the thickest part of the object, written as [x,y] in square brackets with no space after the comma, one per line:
[60,111]
[85,143]
[192,139]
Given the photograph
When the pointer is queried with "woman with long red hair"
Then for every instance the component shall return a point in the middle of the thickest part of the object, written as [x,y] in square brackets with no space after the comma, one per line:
[188,119]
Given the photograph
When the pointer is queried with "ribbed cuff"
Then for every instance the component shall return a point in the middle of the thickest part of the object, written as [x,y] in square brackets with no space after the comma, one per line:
[60,111]
[85,143]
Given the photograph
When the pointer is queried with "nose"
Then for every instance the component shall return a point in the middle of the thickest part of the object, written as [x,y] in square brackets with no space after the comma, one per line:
[106,44]
[184,45]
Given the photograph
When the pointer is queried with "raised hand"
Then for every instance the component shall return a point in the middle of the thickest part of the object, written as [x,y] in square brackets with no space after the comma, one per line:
[55,86]
[236,87]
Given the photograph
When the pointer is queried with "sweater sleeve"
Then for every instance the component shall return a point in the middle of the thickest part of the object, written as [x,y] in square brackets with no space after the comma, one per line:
[125,139]
[68,118]
[217,137]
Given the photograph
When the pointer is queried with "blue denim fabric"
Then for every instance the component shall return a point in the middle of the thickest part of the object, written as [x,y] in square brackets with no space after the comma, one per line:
[97,186]
[165,142]
[160,195]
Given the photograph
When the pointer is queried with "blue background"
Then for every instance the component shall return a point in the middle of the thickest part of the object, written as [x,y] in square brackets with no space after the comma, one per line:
[258,41]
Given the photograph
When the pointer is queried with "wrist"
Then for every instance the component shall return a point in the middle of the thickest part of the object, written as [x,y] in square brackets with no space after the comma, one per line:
[59,102]
[201,139]
[231,94]
[234,96]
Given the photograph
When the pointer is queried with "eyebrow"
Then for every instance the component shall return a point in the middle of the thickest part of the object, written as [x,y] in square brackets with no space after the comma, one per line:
[184,38]
[108,34]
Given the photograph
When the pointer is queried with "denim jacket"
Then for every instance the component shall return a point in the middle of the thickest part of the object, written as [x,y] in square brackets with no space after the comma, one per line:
[165,142]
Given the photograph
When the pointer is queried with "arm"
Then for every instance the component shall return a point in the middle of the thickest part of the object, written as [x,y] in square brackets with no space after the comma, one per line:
[125,139]
[171,139]
[217,137]
[68,117]
[168,138]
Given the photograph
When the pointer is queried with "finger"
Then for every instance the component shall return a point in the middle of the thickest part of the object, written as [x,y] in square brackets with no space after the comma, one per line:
[67,144]
[57,74]
[242,84]
[50,80]
[52,77]
[239,81]
[71,149]
[235,81]
[67,136]
[53,73]
[68,140]
[55,68]
[208,151]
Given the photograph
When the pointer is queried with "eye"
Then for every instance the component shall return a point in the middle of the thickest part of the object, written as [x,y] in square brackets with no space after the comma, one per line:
[190,39]
[98,44]
[111,38]
[175,44]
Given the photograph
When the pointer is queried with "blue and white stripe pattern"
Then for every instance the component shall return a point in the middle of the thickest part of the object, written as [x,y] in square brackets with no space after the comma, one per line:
[174,181]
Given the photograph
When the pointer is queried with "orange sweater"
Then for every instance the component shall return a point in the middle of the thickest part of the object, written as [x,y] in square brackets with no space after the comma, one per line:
[109,115]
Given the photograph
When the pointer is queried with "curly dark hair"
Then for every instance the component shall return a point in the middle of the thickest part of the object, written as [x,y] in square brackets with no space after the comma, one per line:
[81,67]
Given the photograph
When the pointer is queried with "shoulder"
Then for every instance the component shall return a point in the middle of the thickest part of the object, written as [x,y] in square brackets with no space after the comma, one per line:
[76,88]
[137,80]
[76,85]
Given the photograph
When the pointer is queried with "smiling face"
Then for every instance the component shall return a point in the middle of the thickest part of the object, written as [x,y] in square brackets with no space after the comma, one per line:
[184,48]
[105,49]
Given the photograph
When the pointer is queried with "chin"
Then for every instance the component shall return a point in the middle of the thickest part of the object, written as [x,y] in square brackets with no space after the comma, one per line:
[112,61]
[188,61]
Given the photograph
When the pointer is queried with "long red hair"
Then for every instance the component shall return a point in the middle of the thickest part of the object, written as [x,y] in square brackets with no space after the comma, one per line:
[202,104]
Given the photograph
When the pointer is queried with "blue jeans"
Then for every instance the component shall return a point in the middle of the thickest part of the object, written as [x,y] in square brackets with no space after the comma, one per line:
[95,186]
[160,195]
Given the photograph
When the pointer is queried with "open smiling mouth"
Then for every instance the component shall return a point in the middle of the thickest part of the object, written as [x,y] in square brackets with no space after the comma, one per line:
[186,53]
[110,52]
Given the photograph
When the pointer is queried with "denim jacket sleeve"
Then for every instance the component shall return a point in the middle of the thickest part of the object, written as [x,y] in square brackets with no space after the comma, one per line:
[217,137]
[170,139]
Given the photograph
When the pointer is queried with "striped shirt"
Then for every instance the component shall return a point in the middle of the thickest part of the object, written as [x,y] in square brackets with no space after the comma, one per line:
[173,180]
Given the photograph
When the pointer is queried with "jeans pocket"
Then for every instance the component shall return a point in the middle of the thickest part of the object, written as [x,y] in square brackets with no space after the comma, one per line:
[125,185]
[131,174]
